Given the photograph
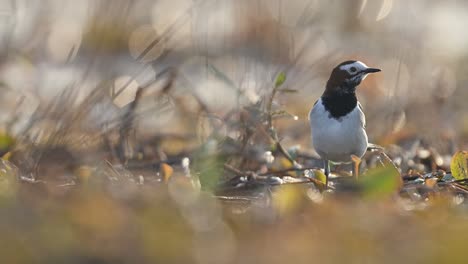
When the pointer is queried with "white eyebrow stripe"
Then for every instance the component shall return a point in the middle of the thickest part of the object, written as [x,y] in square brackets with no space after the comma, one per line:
[359,65]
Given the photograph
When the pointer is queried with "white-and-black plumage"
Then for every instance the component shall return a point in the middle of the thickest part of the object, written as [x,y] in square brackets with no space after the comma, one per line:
[337,120]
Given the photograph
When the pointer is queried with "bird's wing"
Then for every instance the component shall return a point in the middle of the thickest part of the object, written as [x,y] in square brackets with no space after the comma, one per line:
[362,116]
[310,112]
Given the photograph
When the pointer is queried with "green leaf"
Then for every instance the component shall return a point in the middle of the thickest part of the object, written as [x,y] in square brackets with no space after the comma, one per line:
[380,182]
[209,165]
[8,179]
[280,79]
[459,165]
[210,169]
[6,141]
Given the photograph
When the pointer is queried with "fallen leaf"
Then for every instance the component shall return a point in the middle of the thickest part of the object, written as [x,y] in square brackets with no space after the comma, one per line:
[459,165]
[431,182]
[83,173]
[6,143]
[8,179]
[320,176]
[288,197]
[166,171]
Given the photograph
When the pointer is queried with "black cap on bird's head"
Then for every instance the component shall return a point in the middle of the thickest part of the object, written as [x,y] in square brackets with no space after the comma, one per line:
[347,75]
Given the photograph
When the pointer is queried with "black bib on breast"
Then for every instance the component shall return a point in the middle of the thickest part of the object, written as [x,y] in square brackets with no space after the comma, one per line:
[339,105]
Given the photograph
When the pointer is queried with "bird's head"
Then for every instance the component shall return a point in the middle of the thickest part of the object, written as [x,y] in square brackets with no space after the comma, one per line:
[347,75]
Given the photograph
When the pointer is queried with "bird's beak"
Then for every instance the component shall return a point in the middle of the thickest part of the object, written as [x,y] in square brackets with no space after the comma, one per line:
[371,70]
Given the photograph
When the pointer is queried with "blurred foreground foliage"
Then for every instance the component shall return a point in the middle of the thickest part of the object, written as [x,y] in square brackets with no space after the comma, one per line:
[125,221]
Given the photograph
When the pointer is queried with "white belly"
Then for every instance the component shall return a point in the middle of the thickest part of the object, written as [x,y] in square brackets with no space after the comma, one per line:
[337,140]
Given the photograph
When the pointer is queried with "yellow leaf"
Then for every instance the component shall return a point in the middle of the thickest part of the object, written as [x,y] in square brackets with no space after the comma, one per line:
[166,171]
[281,163]
[288,198]
[83,173]
[459,165]
[7,155]
[285,163]
[319,175]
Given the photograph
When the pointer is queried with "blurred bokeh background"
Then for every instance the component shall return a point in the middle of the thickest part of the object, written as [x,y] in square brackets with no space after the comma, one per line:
[108,101]
[225,48]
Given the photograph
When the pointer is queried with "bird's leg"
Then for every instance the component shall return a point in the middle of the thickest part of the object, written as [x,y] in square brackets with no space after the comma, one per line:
[326,165]
[356,162]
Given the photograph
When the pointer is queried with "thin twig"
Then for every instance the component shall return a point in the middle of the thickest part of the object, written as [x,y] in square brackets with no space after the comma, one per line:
[127,124]
[285,153]
[234,170]
[237,198]
[280,172]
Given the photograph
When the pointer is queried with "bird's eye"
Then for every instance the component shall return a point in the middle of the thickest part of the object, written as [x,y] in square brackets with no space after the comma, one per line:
[353,69]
